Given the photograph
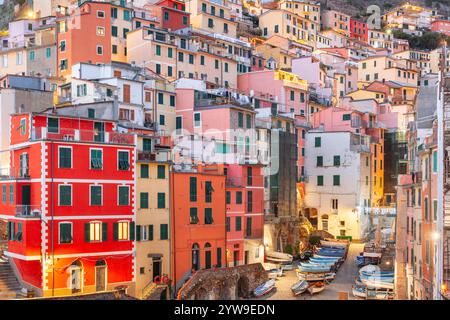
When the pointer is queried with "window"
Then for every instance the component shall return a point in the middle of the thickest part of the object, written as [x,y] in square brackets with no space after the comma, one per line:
[143,200]
[160,98]
[210,23]
[249,201]
[336,180]
[158,50]
[248,229]
[228,197]
[91,113]
[193,215]
[124,195]
[320,180]
[193,189]
[208,191]
[435,162]
[172,101]
[161,172]
[162,119]
[169,52]
[100,31]
[197,119]
[123,230]
[185,20]
[208,216]
[238,197]
[123,159]
[317,142]
[96,158]
[114,31]
[240,119]
[161,200]
[96,195]
[228,224]
[11,193]
[319,161]
[126,15]
[166,15]
[180,56]
[65,195]
[65,232]
[53,125]
[32,55]
[334,204]
[65,157]
[337,160]
[435,209]
[163,232]
[114,13]
[150,232]
[346,117]
[125,31]
[238,223]
[144,171]
[100,50]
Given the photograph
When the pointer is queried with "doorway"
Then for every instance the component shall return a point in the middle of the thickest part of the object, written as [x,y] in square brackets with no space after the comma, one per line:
[246,256]
[100,276]
[236,258]
[26,200]
[156,268]
[76,277]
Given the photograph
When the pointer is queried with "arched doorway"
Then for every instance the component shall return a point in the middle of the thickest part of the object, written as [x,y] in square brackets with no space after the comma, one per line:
[76,276]
[207,255]
[100,275]
[195,256]
[242,287]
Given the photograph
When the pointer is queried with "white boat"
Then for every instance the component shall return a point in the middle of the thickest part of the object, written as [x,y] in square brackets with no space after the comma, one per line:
[316,287]
[279,256]
[287,267]
[377,283]
[366,293]
[264,288]
[326,243]
[274,273]
[300,287]
[359,292]
[316,277]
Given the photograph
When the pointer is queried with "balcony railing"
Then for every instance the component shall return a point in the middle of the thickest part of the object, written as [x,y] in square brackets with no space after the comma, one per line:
[14,173]
[42,133]
[256,181]
[28,211]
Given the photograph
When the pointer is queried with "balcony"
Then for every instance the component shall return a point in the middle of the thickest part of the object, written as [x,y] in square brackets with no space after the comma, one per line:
[41,133]
[360,143]
[8,173]
[28,211]
[146,156]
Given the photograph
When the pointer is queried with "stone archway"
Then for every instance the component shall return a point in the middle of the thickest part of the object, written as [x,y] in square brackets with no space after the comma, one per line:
[242,287]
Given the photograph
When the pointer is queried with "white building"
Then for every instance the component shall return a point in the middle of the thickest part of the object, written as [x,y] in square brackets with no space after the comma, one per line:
[337,166]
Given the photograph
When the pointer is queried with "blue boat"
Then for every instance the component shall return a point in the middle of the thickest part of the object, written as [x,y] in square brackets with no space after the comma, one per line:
[314,269]
[264,288]
[322,260]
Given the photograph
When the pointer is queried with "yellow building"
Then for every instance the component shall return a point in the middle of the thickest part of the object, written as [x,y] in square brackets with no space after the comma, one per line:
[152,217]
[288,25]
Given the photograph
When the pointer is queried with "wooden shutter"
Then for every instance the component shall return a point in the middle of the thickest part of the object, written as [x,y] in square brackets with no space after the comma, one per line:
[132,226]
[126,93]
[116,231]
[138,233]
[104,231]
[150,232]
[87,237]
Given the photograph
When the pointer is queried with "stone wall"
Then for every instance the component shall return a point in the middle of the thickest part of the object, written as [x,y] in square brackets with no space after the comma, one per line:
[224,283]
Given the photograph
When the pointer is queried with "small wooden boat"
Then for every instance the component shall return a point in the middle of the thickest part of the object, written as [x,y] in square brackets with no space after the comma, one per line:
[310,277]
[287,267]
[264,288]
[377,283]
[279,256]
[359,291]
[274,273]
[315,269]
[316,287]
[369,293]
[300,287]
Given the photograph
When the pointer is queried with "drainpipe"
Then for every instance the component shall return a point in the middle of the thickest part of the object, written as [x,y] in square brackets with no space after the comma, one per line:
[172,226]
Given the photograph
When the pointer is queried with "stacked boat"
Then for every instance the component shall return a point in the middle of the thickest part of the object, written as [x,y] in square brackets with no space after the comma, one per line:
[321,267]
[374,283]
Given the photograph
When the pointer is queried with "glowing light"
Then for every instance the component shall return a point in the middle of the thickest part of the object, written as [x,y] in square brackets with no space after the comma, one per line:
[435,235]
[444,288]
[30,14]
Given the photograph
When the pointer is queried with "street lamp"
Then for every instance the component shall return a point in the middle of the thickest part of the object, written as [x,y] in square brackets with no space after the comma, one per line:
[435,235]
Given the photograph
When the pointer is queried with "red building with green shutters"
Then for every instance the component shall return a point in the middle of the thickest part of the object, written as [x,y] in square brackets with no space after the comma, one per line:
[68,203]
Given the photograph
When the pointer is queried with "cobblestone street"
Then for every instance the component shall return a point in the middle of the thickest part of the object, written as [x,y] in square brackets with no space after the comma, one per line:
[343,282]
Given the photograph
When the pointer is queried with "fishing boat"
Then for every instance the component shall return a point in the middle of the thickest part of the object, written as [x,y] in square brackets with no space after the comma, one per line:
[287,267]
[378,283]
[274,273]
[369,293]
[329,276]
[371,269]
[300,287]
[334,243]
[380,274]
[264,288]
[324,256]
[359,291]
[316,287]
[279,257]
[315,269]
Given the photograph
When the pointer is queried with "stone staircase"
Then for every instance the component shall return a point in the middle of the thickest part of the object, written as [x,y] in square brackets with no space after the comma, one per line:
[10,287]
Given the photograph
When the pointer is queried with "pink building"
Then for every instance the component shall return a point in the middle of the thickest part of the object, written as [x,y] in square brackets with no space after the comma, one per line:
[442,26]
[269,87]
